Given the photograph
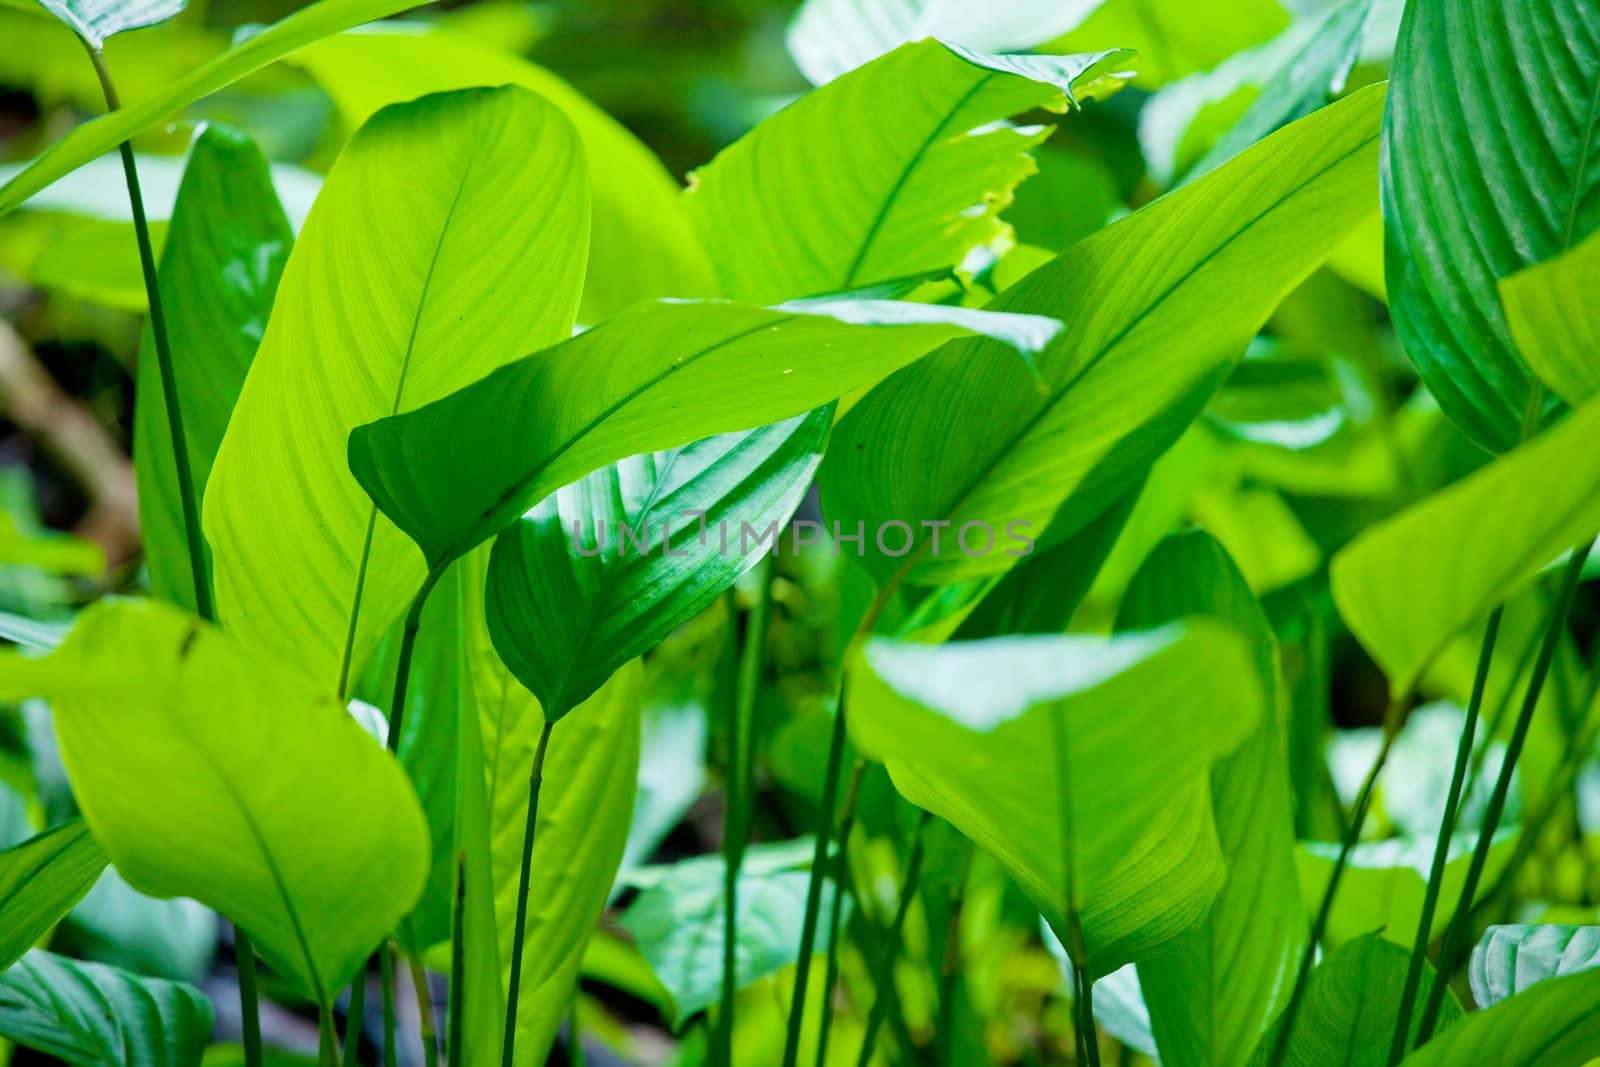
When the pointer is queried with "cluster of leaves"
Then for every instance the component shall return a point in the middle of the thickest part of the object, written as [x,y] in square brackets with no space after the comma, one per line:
[475,465]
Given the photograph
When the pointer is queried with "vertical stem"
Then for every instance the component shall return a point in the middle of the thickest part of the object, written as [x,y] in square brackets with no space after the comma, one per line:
[1441,847]
[883,975]
[1075,943]
[408,648]
[354,1015]
[736,801]
[391,1052]
[327,1042]
[950,969]
[249,999]
[430,1036]
[575,1054]
[458,966]
[1455,937]
[1085,1013]
[535,780]
[841,888]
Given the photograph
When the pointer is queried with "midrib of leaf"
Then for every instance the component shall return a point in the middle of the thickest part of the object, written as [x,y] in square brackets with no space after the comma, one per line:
[589,427]
[904,176]
[1094,361]
[1581,164]
[399,391]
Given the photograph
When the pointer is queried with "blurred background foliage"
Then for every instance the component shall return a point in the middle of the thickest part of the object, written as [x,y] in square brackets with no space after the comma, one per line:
[1320,431]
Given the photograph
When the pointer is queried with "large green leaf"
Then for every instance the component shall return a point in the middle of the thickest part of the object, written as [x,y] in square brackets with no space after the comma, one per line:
[642,246]
[677,921]
[1351,1004]
[968,731]
[89,1014]
[448,239]
[1555,319]
[1176,38]
[1553,1024]
[1509,959]
[603,548]
[907,162]
[103,134]
[209,769]
[1222,983]
[225,250]
[40,880]
[95,20]
[1157,308]
[585,805]
[1491,164]
[658,376]
[1406,586]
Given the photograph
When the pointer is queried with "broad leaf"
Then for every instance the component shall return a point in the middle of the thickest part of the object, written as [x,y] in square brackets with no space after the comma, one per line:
[95,20]
[637,549]
[827,38]
[1214,993]
[1491,164]
[1555,320]
[88,1014]
[116,924]
[968,731]
[642,246]
[1509,959]
[677,922]
[225,250]
[1350,1007]
[914,140]
[411,279]
[1553,1024]
[95,138]
[1176,38]
[1157,308]
[40,880]
[1408,585]
[656,377]
[163,724]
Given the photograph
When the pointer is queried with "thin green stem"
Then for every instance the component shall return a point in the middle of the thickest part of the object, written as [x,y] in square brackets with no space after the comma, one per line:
[575,1054]
[841,889]
[883,974]
[249,998]
[950,969]
[425,1022]
[1441,847]
[535,780]
[408,648]
[391,1051]
[453,1042]
[327,1040]
[1085,1013]
[1075,943]
[736,800]
[1456,935]
[354,1014]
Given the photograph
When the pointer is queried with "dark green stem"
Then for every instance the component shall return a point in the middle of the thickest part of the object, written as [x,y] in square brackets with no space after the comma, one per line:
[353,1017]
[408,648]
[1456,935]
[535,780]
[883,974]
[1441,847]
[575,1055]
[391,1052]
[430,1037]
[249,999]
[841,889]
[458,966]
[327,1041]
[1084,1007]
[1075,942]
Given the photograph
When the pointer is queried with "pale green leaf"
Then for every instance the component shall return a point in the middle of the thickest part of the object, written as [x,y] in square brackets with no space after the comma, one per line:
[1554,319]
[1509,959]
[95,20]
[40,880]
[1553,1024]
[1176,38]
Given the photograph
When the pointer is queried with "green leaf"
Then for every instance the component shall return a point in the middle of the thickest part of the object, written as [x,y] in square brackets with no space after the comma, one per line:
[1408,585]
[1175,38]
[677,922]
[585,805]
[967,732]
[410,280]
[1157,308]
[224,252]
[897,197]
[1219,987]
[1491,164]
[1554,1024]
[95,20]
[1351,1005]
[643,245]
[827,38]
[89,1014]
[1553,317]
[657,376]
[603,548]
[97,137]
[116,924]
[164,723]
[40,880]
[1509,959]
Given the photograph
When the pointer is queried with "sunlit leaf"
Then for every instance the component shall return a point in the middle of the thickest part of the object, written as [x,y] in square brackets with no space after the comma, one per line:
[40,880]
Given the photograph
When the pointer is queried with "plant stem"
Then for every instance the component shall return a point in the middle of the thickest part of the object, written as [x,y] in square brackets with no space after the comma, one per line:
[249,999]
[535,780]
[386,973]
[841,888]
[1441,847]
[1075,942]
[353,1017]
[1085,1014]
[1456,935]
[736,801]
[458,966]
[430,1037]
[1352,833]
[408,648]
[327,1041]
[950,969]
[575,1055]
[883,975]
